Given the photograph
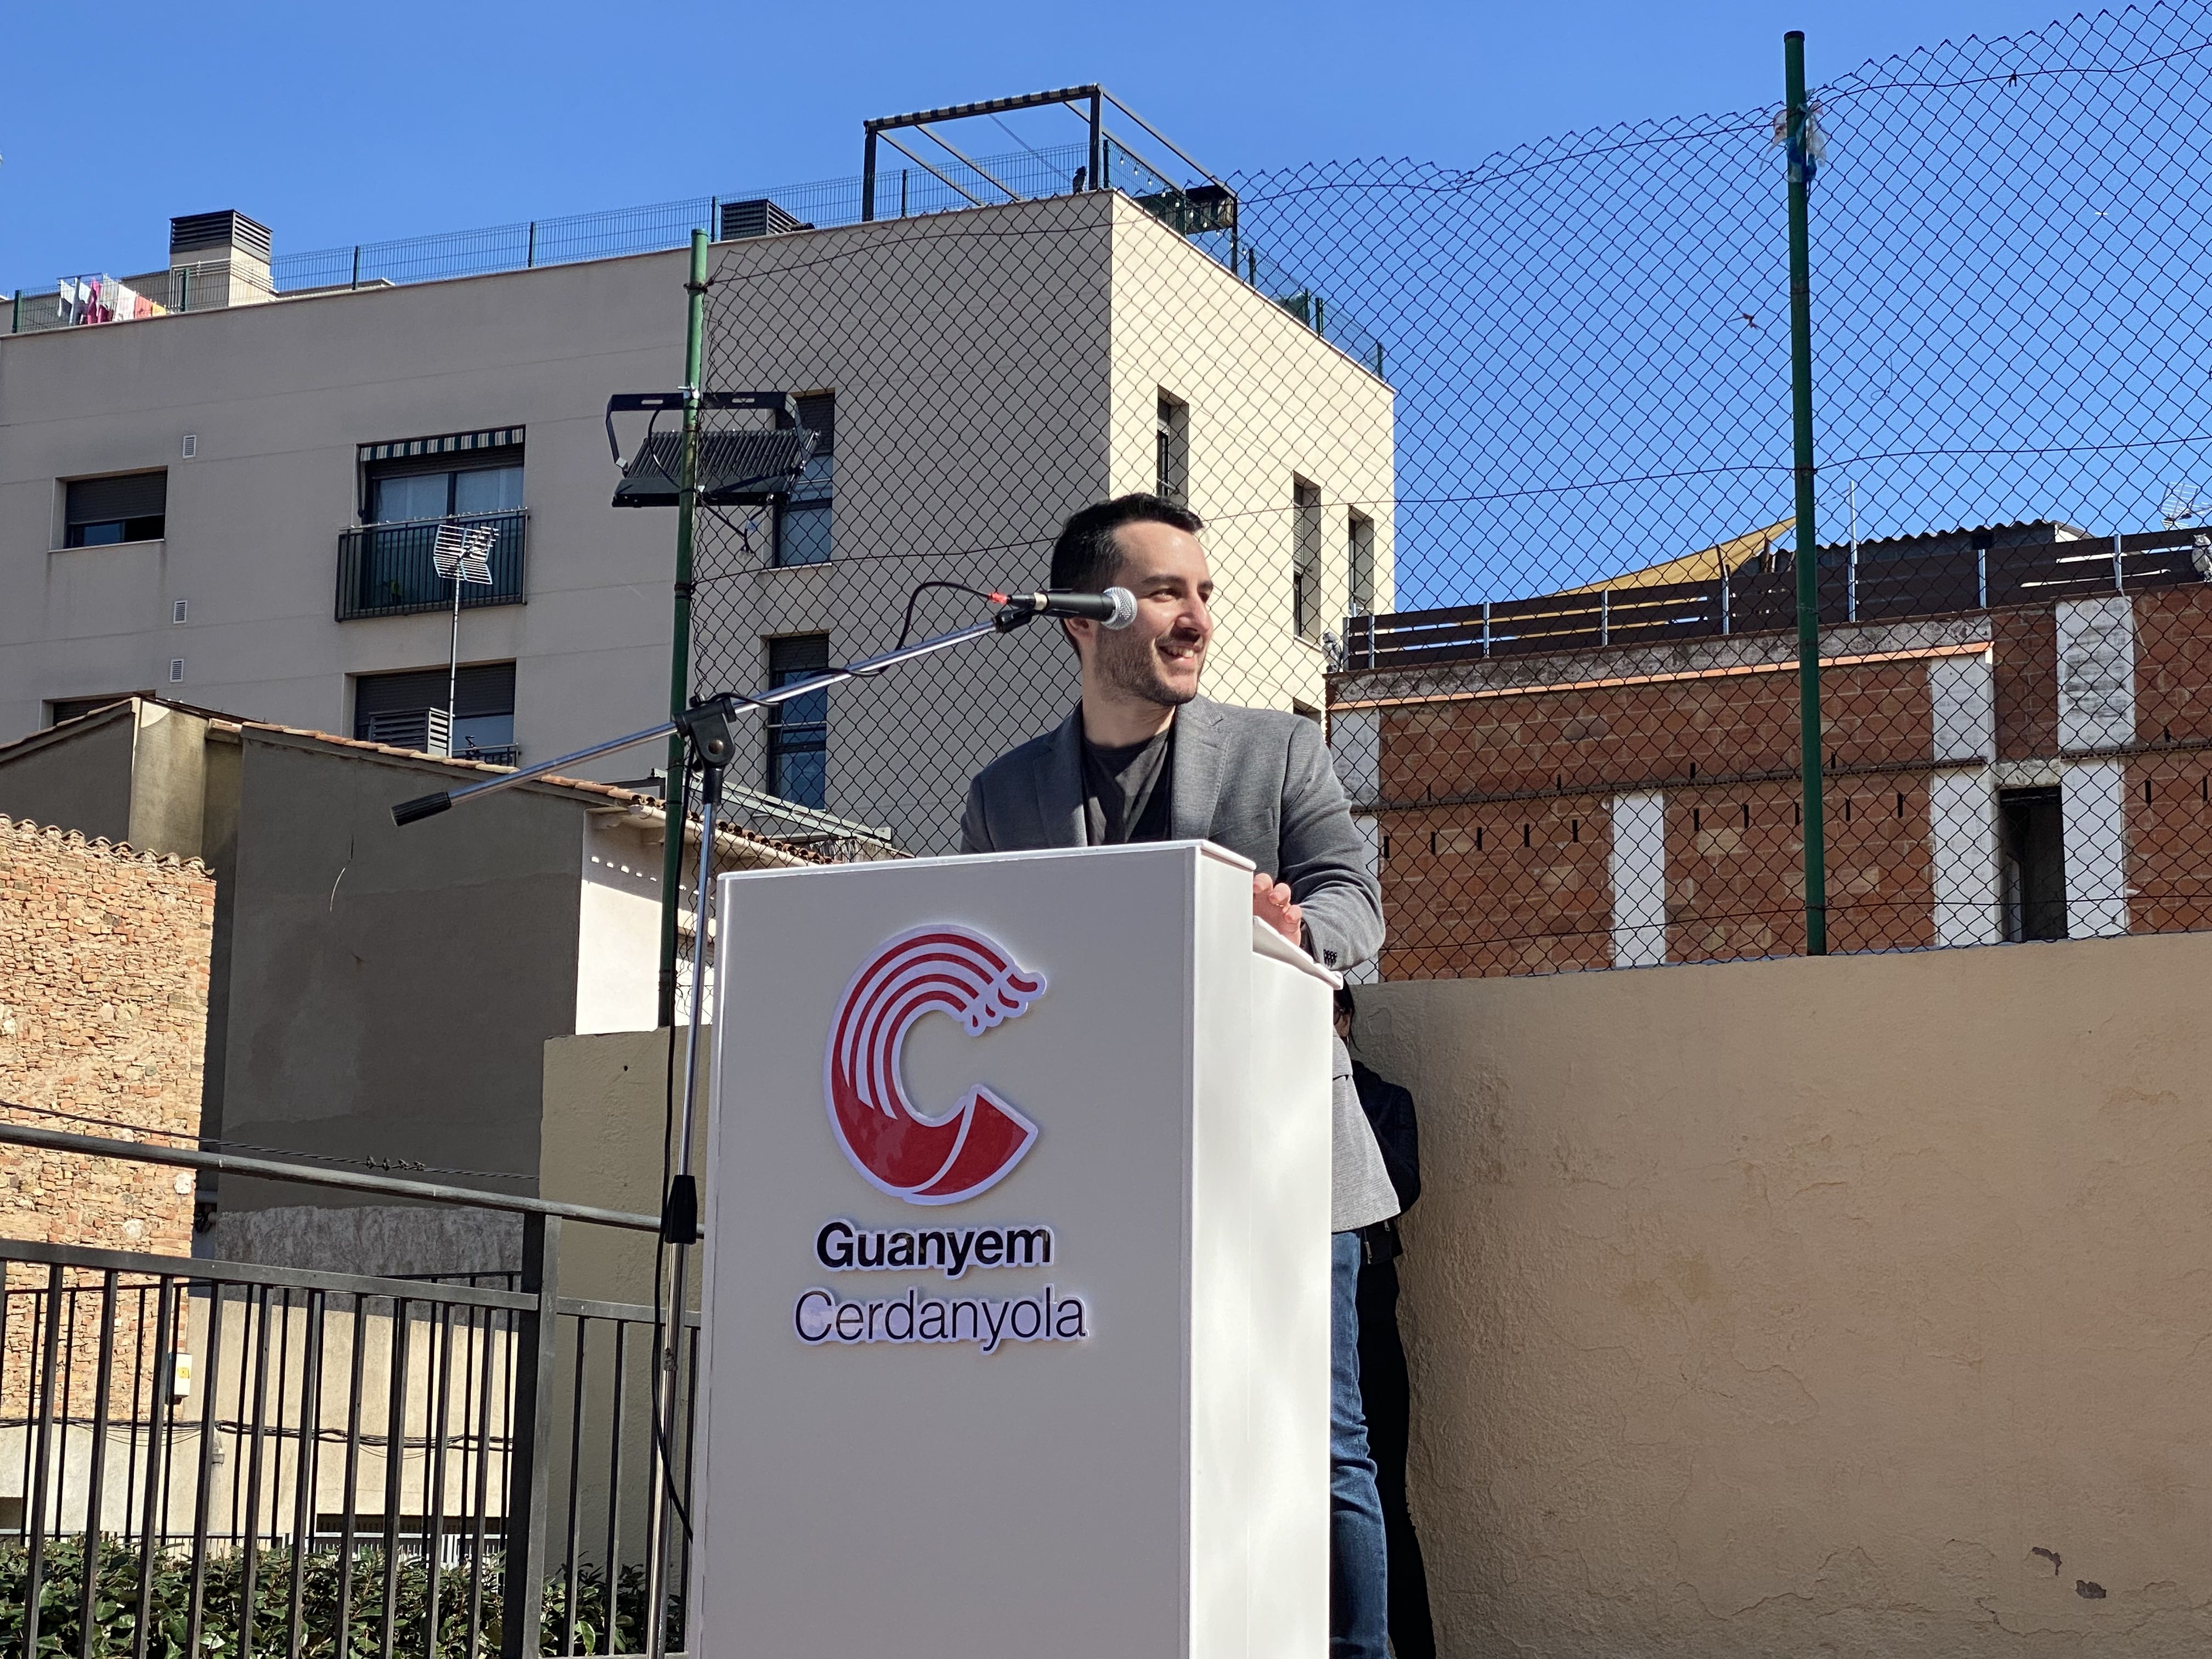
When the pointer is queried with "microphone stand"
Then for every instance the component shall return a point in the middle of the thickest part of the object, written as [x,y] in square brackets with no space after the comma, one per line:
[709,747]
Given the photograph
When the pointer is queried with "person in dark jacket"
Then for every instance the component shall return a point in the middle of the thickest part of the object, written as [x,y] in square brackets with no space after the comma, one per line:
[1384,1384]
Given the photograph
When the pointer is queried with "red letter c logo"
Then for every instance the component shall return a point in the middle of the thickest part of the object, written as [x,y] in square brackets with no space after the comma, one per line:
[924,1160]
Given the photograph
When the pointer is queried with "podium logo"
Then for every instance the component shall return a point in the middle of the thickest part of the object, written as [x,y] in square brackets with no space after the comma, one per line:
[897,1148]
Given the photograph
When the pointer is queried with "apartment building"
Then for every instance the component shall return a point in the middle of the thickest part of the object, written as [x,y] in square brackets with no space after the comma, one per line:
[232,504]
[1608,779]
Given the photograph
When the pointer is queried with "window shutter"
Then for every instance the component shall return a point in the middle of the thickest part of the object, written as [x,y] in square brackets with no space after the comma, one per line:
[133,495]
[485,689]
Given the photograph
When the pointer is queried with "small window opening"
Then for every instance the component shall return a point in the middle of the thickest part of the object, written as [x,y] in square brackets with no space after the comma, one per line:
[102,512]
[1359,557]
[2031,864]
[1305,559]
[1171,450]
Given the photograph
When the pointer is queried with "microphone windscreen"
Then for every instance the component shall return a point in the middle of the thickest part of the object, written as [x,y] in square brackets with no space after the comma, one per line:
[1125,607]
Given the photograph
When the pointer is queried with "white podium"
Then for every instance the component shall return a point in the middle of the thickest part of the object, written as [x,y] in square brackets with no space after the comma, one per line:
[1017,1284]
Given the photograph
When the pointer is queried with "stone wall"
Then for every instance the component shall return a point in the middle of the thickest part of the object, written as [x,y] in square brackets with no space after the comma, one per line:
[103,1014]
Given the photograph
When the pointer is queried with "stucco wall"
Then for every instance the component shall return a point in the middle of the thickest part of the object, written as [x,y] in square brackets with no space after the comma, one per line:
[1798,1306]
[84,786]
[1271,402]
[367,1020]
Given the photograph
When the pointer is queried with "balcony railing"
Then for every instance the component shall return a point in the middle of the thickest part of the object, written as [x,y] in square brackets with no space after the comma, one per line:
[386,570]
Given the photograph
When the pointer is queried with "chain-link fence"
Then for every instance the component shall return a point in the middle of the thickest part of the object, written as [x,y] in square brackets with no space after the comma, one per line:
[1496,468]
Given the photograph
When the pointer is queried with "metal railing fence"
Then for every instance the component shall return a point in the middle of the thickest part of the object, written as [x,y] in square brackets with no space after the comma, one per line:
[227,1459]
[388,569]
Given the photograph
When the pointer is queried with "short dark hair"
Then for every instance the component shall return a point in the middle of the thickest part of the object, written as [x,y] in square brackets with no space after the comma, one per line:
[1084,557]
[1345,1006]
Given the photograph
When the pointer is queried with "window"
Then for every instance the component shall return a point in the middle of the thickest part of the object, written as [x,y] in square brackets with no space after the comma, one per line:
[69,708]
[802,522]
[403,496]
[1359,560]
[1171,446]
[1305,558]
[409,486]
[455,475]
[798,731]
[99,512]
[2032,864]
[399,709]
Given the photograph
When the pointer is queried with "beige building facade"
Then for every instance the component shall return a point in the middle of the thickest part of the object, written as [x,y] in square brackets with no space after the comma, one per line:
[989,371]
[1821,1305]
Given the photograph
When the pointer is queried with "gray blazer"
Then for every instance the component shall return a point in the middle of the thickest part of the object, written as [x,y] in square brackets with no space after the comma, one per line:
[1256,780]
[1259,782]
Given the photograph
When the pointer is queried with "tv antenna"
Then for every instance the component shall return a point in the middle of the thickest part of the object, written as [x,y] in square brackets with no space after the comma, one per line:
[2184,506]
[462,554]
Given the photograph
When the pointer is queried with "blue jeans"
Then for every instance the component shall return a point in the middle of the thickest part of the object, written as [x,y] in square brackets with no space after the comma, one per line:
[1359,1577]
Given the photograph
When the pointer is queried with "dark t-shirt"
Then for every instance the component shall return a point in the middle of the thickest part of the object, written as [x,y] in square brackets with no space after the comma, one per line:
[1125,791]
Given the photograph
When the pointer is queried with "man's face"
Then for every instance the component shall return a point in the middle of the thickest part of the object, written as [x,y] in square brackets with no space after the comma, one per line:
[1158,657]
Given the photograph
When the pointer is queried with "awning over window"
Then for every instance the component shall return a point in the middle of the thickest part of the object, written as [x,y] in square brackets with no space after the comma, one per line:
[450,443]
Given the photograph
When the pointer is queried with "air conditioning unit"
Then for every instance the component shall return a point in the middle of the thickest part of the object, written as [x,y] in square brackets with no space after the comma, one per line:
[426,731]
[756,217]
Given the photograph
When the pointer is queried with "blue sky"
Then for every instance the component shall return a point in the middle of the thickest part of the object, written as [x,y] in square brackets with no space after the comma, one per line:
[337,125]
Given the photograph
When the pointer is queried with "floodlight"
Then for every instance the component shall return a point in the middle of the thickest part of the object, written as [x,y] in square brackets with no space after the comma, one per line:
[736,468]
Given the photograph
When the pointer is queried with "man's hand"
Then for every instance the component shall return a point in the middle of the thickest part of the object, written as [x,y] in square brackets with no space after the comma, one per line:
[1271,904]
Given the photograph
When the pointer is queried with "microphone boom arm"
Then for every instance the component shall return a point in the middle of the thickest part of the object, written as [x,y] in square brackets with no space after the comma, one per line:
[705,723]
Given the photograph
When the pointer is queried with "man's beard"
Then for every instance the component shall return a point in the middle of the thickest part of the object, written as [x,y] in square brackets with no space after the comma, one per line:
[1133,668]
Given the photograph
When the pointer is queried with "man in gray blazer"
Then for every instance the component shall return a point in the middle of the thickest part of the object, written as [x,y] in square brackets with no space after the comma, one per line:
[1144,758]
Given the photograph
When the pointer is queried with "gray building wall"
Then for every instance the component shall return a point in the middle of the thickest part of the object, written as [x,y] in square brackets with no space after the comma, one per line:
[392,991]
[82,785]
[279,397]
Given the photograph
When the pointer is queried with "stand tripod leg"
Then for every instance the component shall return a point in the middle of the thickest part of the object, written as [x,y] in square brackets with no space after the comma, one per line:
[679,1226]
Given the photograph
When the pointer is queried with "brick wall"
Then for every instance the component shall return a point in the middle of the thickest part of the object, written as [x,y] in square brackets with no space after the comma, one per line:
[1502,790]
[103,1011]
[1523,881]
[103,1014]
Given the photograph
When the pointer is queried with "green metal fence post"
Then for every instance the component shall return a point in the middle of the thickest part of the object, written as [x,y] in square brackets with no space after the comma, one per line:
[679,655]
[1807,556]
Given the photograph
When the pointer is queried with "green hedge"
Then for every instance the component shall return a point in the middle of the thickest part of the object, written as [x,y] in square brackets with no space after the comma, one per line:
[115,1606]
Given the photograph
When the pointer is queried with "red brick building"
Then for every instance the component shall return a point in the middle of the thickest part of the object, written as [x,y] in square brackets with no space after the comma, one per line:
[1611,780]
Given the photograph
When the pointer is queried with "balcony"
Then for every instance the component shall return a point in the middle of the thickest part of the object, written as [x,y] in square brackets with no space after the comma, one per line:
[384,569]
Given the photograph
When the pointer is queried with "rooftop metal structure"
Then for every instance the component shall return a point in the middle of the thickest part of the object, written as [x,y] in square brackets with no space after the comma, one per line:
[1190,208]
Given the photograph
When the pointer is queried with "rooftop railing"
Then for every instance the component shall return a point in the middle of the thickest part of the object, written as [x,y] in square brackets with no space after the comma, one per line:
[901,192]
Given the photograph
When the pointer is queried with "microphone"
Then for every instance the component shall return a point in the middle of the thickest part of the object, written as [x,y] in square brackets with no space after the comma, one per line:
[1116,608]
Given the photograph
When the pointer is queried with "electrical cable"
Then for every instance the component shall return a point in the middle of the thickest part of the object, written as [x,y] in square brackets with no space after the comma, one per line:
[906,627]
